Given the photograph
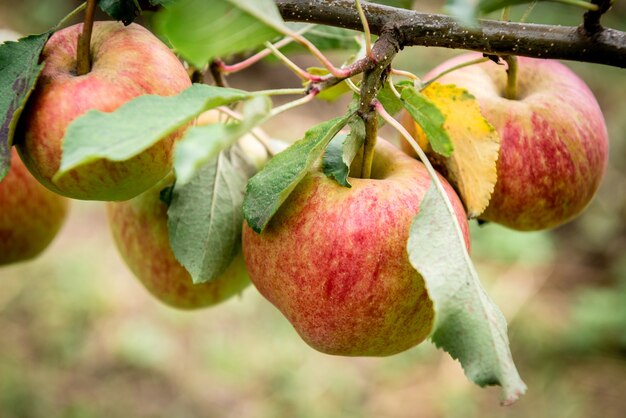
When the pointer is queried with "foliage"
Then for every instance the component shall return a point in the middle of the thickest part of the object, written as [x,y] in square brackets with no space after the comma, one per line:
[216,190]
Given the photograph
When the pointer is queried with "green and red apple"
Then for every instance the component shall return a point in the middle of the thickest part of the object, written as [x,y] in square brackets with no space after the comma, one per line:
[140,231]
[127,61]
[554,142]
[139,228]
[30,214]
[334,261]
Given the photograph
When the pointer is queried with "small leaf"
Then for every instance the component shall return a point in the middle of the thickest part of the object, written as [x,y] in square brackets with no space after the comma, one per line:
[202,143]
[269,188]
[205,218]
[202,30]
[341,152]
[19,70]
[468,325]
[117,136]
[428,116]
[472,168]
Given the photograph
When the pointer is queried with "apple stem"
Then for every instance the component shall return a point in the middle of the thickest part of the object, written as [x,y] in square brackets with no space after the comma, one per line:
[83,53]
[385,49]
[371,135]
[511,79]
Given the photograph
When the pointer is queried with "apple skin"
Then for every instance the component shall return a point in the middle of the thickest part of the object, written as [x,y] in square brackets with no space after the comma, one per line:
[139,228]
[333,260]
[30,214]
[127,61]
[554,141]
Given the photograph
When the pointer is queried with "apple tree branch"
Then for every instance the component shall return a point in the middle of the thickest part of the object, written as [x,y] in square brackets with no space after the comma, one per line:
[589,42]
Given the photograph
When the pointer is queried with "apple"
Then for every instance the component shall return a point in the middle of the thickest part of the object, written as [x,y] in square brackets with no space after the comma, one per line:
[554,141]
[30,214]
[333,259]
[139,228]
[127,61]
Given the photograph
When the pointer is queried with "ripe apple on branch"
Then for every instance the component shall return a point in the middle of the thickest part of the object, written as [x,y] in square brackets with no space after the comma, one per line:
[363,249]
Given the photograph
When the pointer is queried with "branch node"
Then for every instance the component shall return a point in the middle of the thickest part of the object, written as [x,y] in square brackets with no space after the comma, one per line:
[591,19]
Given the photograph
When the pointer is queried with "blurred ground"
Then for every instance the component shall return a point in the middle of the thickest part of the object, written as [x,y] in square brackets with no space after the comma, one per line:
[80,338]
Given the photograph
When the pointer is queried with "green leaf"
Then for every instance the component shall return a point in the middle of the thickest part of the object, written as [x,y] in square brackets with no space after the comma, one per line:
[202,30]
[430,118]
[268,189]
[19,70]
[202,143]
[117,136]
[205,218]
[388,99]
[468,325]
[341,152]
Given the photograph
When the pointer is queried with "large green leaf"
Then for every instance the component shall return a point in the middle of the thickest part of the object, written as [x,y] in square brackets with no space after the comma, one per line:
[201,30]
[137,125]
[269,188]
[341,152]
[19,70]
[430,118]
[204,216]
[202,143]
[468,325]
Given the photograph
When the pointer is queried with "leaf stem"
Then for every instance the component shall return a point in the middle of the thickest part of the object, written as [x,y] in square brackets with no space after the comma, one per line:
[280,92]
[511,77]
[422,155]
[580,3]
[70,16]
[456,67]
[83,51]
[366,28]
[292,65]
[233,68]
[291,105]
[337,72]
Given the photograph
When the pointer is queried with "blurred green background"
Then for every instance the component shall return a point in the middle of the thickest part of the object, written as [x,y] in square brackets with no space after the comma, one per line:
[79,337]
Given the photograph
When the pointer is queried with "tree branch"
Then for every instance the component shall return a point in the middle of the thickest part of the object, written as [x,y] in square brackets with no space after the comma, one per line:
[606,46]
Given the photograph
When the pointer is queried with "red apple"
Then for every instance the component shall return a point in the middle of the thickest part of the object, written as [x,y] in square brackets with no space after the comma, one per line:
[30,214]
[139,228]
[554,142]
[128,61]
[333,259]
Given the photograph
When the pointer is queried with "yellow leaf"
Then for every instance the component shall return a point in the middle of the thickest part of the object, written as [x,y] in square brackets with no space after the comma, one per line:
[472,167]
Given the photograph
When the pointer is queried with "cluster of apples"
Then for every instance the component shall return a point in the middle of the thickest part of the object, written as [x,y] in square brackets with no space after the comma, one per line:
[333,260]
